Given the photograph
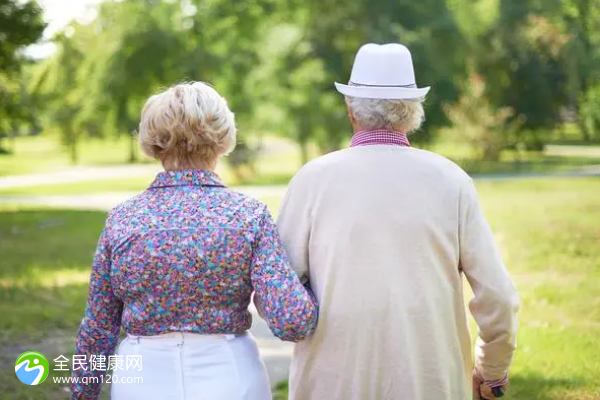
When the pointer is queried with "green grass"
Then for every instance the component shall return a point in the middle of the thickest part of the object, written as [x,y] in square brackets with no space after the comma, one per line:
[44,154]
[531,163]
[277,165]
[553,159]
[549,232]
[136,184]
[44,270]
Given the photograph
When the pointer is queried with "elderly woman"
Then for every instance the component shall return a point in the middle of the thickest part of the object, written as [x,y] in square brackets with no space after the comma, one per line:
[176,267]
[386,232]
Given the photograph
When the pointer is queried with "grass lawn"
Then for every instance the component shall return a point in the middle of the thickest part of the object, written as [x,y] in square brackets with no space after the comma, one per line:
[549,232]
[43,154]
[277,165]
[553,158]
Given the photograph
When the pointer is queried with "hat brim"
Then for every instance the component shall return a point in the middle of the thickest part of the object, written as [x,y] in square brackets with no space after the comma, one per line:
[388,93]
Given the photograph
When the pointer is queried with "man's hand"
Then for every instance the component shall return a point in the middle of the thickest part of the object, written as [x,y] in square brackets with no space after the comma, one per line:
[483,390]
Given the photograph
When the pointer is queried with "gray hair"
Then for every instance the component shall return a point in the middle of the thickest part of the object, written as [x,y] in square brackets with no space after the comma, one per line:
[399,115]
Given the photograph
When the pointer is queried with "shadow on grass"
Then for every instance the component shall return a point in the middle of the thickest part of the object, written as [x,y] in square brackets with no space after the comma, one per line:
[540,164]
[42,319]
[536,387]
[35,244]
[523,387]
[44,268]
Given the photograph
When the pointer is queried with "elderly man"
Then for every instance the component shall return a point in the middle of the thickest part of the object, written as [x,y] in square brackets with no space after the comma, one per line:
[385,233]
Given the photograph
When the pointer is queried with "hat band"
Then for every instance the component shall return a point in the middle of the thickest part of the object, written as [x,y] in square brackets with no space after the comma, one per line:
[411,86]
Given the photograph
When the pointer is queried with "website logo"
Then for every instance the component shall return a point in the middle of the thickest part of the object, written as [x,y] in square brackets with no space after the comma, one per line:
[32,368]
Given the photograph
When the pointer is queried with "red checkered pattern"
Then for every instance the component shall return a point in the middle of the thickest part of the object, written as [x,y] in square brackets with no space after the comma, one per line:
[379,137]
[493,384]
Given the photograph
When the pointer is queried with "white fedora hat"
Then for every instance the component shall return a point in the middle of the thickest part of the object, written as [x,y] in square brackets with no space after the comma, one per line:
[383,72]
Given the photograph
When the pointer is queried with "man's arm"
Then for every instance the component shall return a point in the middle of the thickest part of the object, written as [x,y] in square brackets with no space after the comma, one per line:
[293,223]
[495,304]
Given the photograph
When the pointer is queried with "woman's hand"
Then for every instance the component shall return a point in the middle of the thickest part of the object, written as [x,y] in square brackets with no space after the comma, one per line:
[483,390]
[258,305]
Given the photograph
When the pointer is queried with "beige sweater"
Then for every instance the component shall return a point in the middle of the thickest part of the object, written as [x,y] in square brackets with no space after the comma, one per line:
[385,234]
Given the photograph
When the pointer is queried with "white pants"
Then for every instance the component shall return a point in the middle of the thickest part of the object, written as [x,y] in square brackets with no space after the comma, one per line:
[188,366]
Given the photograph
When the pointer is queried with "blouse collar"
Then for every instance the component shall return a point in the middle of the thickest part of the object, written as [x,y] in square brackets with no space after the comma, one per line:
[187,177]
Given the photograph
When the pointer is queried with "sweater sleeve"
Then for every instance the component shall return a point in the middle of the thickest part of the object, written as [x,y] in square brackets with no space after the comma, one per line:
[495,301]
[289,308]
[293,223]
[99,330]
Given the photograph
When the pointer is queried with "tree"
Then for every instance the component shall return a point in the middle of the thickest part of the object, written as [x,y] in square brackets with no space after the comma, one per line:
[62,93]
[542,58]
[103,72]
[581,19]
[486,128]
[290,88]
[21,24]
[332,32]
[147,47]
[223,48]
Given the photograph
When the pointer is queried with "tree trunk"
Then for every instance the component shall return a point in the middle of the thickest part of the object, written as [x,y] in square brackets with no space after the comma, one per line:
[132,149]
[304,152]
[74,151]
[583,128]
[584,15]
[329,148]
[13,143]
[3,150]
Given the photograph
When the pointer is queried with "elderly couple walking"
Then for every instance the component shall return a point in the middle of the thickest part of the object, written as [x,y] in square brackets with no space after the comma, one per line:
[364,268]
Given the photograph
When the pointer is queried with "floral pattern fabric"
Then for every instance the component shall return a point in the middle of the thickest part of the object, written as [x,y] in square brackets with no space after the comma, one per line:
[186,256]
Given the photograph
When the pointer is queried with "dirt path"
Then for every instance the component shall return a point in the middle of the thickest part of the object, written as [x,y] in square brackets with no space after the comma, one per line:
[79,174]
[106,201]
[83,174]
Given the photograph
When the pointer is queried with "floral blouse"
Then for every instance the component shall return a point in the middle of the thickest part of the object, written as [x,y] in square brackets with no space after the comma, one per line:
[185,256]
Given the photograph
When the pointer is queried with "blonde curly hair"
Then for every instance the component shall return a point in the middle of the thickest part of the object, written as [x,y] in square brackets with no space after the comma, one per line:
[187,126]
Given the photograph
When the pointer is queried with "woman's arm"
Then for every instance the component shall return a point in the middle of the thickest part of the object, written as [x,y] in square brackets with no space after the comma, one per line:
[289,308]
[99,330]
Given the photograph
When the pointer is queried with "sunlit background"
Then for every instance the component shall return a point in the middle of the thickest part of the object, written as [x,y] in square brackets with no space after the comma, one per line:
[515,101]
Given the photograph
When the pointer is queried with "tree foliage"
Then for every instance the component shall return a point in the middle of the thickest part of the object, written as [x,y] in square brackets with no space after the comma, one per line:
[20,25]
[275,61]
[541,56]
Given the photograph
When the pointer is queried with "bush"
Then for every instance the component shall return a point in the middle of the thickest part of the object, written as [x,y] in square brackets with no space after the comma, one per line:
[487,129]
[243,160]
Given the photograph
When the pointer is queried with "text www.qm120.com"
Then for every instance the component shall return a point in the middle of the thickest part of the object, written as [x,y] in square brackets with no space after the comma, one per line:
[84,380]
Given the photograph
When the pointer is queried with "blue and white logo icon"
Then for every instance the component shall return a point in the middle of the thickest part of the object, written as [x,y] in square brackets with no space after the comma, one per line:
[32,368]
